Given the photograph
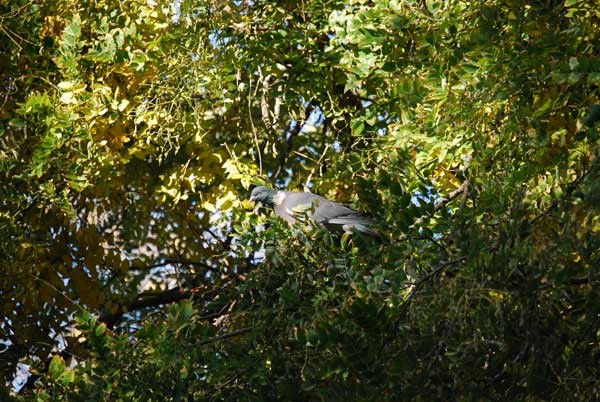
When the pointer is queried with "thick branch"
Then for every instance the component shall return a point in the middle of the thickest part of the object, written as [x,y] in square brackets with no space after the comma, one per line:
[182,261]
[144,300]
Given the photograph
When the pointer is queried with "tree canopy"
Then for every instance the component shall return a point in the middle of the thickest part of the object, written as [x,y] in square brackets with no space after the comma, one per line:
[134,267]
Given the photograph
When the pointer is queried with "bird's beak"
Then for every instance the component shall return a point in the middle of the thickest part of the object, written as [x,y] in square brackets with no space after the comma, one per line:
[253,199]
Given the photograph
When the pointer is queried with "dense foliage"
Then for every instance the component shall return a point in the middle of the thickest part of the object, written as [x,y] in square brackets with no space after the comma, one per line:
[134,268]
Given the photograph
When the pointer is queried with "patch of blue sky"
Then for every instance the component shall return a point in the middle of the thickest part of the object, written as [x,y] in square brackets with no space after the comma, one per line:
[176,10]
[218,39]
[316,119]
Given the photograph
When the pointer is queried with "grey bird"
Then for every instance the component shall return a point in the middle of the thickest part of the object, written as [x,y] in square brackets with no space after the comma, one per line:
[293,206]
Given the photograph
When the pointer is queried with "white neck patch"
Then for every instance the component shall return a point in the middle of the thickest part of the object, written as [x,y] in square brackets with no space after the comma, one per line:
[278,198]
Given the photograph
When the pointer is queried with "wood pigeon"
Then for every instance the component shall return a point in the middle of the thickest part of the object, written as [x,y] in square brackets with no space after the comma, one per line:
[292,206]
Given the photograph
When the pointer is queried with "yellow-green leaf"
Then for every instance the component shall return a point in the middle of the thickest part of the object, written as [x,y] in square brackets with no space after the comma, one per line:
[57,366]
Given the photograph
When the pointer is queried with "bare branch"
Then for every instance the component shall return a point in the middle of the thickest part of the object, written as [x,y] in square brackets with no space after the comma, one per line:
[417,284]
[227,335]
[144,300]
[312,171]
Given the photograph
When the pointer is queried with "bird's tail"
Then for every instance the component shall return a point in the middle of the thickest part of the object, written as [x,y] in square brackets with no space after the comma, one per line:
[367,230]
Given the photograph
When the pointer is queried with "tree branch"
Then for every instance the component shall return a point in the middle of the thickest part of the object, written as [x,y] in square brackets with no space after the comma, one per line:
[227,335]
[144,300]
[569,190]
[462,189]
[182,261]
[416,285]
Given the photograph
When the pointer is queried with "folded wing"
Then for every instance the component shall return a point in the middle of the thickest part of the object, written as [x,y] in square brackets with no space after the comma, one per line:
[298,206]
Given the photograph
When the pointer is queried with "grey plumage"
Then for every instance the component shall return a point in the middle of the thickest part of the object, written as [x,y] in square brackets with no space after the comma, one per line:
[292,206]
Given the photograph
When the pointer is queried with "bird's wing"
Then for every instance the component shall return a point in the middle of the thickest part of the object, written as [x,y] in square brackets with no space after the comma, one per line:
[283,212]
[333,214]
[301,205]
[297,206]
[337,214]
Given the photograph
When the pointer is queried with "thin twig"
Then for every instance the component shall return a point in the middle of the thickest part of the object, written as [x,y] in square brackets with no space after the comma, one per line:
[214,315]
[462,189]
[51,286]
[312,171]
[254,135]
[228,335]
[180,261]
[417,284]
[570,189]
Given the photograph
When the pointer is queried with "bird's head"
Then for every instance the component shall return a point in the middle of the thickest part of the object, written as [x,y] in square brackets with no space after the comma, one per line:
[263,194]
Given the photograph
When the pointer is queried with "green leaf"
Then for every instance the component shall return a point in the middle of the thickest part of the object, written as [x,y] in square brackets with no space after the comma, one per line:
[56,367]
[72,33]
[67,377]
[544,108]
[358,126]
[573,63]
[594,78]
[100,329]
[573,78]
